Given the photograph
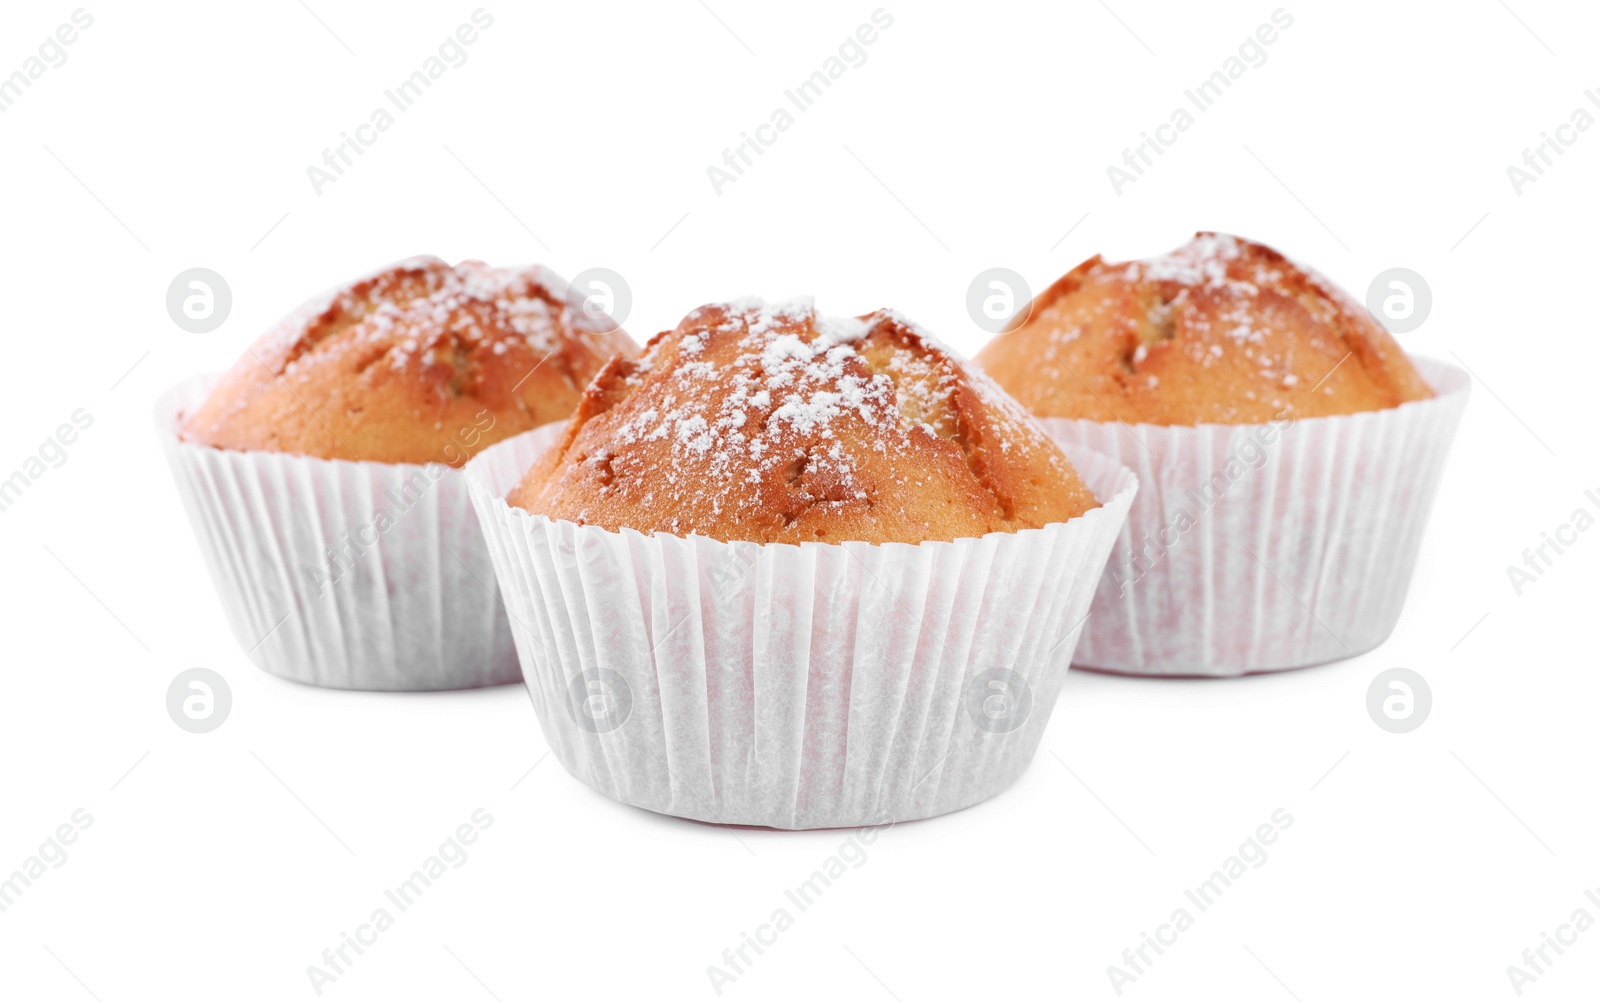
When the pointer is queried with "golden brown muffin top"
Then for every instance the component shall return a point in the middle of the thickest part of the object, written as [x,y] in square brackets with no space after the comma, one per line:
[1220,331]
[777,425]
[416,363]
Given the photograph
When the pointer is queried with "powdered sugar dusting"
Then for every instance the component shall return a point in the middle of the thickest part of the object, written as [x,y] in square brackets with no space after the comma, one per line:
[1221,329]
[422,312]
[792,400]
[1211,263]
[1201,262]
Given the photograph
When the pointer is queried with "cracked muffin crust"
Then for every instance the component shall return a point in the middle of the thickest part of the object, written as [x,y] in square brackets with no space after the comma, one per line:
[1220,331]
[773,424]
[419,362]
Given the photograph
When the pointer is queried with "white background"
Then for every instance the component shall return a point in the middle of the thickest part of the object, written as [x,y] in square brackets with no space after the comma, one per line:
[220,866]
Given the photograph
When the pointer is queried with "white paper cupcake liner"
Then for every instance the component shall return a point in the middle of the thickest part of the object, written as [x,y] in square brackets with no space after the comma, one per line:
[369,576]
[1253,548]
[792,686]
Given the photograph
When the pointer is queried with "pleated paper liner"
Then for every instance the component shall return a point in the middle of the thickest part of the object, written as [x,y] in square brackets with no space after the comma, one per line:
[368,576]
[792,686]
[1254,548]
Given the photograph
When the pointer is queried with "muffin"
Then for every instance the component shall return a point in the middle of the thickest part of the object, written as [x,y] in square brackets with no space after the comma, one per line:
[778,426]
[391,368]
[1221,331]
[795,571]
[320,472]
[1289,449]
